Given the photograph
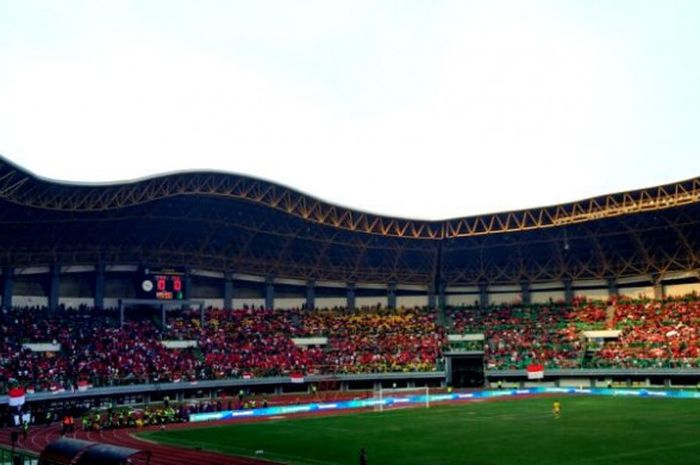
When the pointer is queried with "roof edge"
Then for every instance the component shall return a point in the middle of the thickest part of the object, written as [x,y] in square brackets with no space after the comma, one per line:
[46,193]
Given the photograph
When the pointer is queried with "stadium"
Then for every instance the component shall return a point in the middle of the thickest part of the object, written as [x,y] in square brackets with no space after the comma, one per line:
[201,302]
[302,232]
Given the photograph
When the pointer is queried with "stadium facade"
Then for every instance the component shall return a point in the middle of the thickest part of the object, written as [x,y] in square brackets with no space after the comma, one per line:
[229,241]
[241,240]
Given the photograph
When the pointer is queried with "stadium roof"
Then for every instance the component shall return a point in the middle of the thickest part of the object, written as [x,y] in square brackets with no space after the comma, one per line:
[224,221]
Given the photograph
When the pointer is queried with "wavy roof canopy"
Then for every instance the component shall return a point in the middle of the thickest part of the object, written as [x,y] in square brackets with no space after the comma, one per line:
[227,221]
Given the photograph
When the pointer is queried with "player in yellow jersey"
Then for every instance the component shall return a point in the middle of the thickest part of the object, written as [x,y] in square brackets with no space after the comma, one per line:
[556,409]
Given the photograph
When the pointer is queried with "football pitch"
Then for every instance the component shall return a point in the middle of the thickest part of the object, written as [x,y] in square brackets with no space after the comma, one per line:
[591,430]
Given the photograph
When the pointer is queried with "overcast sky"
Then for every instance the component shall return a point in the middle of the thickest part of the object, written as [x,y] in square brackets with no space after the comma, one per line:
[424,109]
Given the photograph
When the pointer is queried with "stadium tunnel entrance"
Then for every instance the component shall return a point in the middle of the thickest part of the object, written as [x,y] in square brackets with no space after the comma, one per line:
[465,370]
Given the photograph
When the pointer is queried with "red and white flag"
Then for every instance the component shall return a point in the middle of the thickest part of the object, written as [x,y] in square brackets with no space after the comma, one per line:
[56,388]
[247,375]
[16,396]
[83,385]
[296,378]
[535,371]
[30,390]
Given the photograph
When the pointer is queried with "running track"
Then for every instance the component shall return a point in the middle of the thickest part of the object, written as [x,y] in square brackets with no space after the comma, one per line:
[40,436]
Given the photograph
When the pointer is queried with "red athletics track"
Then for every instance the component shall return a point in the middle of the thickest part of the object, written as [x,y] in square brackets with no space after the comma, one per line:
[40,436]
[162,454]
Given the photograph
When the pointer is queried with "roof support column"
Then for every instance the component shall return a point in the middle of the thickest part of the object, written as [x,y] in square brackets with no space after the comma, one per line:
[100,286]
[54,286]
[432,296]
[8,280]
[525,292]
[270,292]
[228,290]
[612,286]
[310,294]
[659,288]
[391,296]
[187,284]
[351,296]
[483,294]
[568,291]
[442,295]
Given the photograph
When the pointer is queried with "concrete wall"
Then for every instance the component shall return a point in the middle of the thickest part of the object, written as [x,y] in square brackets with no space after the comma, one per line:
[250,302]
[120,287]
[543,297]
[214,303]
[330,302]
[410,301]
[370,301]
[76,302]
[637,292]
[575,382]
[462,299]
[76,285]
[679,290]
[289,302]
[31,287]
[29,301]
[207,291]
[592,294]
[504,298]
[111,302]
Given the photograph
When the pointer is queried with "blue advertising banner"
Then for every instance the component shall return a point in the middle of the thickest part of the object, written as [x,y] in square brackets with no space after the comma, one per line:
[425,399]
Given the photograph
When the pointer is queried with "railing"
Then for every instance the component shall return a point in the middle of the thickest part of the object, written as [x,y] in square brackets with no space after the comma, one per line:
[434,376]
[585,372]
[228,383]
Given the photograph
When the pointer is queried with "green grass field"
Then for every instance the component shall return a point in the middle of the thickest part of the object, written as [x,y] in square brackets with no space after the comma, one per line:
[591,430]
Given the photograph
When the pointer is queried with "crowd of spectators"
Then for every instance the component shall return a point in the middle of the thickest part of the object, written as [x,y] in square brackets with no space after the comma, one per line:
[256,342]
[129,417]
[516,336]
[376,341]
[260,342]
[93,348]
[230,343]
[78,416]
[654,335]
[252,342]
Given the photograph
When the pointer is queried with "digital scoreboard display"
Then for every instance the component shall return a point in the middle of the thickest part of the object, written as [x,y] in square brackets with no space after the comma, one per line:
[162,284]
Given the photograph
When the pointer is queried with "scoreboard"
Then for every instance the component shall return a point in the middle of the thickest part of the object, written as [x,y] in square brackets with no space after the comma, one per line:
[162,284]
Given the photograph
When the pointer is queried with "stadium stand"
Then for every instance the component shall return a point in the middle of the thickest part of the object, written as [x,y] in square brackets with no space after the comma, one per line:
[654,334]
[521,335]
[256,342]
[659,334]
[145,301]
[231,344]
